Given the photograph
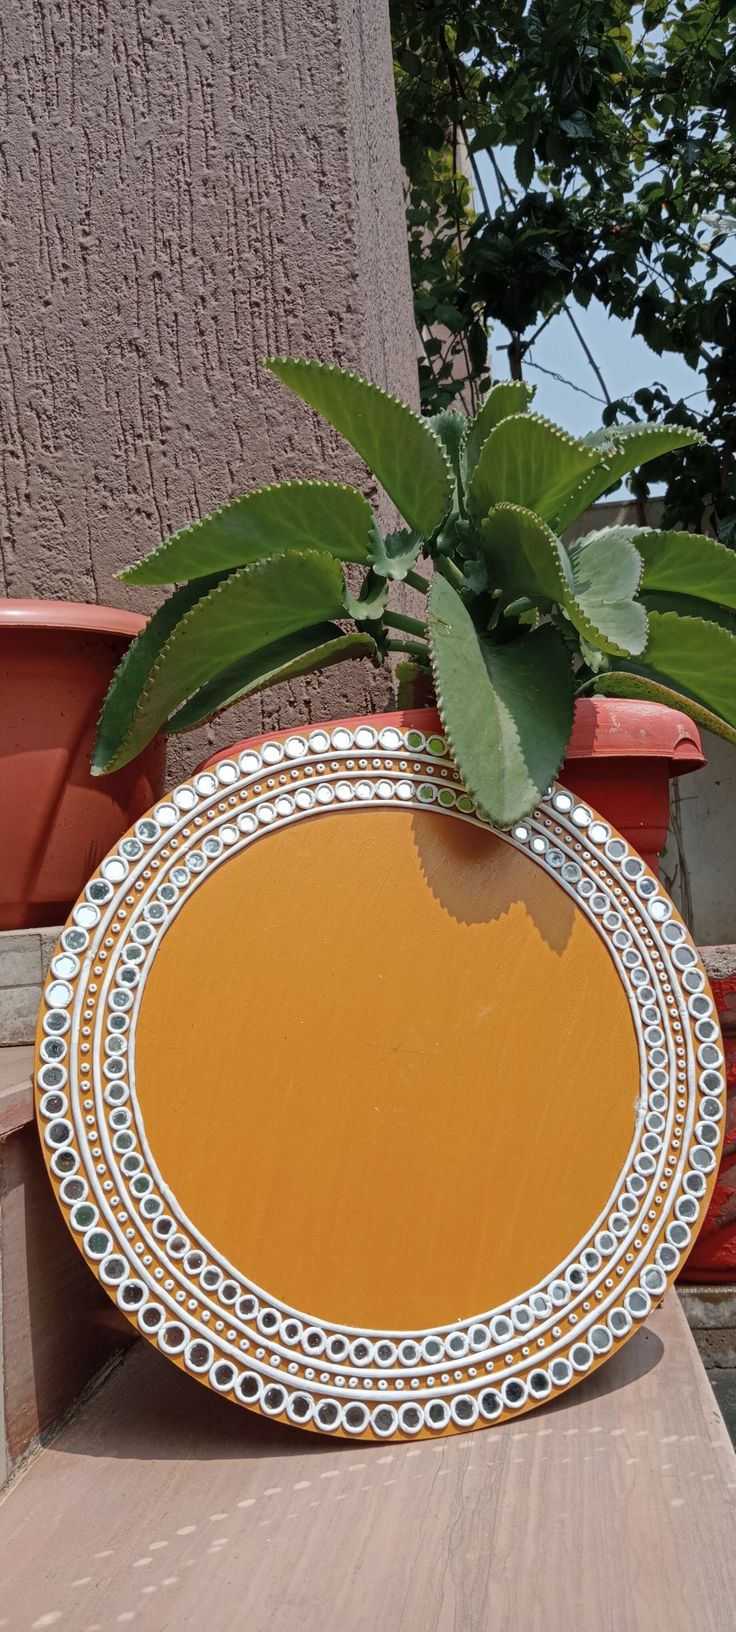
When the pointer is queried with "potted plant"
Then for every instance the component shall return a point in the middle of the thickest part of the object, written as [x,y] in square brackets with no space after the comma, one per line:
[57,659]
[533,650]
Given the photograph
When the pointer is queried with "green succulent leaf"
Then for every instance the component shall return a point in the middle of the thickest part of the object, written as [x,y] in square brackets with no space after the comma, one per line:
[246,611]
[287,516]
[610,535]
[370,601]
[393,556]
[396,444]
[287,659]
[135,666]
[506,398]
[594,585]
[618,684]
[523,556]
[698,656]
[688,564]
[605,576]
[525,460]
[450,428]
[688,606]
[456,537]
[507,709]
[622,448]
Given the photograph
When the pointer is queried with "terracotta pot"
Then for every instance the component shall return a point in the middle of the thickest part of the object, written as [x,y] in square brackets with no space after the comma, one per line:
[621,758]
[56,820]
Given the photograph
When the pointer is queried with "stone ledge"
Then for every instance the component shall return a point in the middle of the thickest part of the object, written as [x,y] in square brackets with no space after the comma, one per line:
[58,1330]
[720,961]
[25,955]
[711,1315]
[612,1508]
[16,1088]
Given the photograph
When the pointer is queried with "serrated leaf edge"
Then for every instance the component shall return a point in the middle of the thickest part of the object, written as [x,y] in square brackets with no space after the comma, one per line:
[239,572]
[691,438]
[473,419]
[691,538]
[191,528]
[586,627]
[562,435]
[366,641]
[368,385]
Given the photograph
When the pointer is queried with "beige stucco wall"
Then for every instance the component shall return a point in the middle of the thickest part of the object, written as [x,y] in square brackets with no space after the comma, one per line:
[190,188]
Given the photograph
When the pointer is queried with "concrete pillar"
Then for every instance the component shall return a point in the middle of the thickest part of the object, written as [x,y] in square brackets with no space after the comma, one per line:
[697,866]
[190,187]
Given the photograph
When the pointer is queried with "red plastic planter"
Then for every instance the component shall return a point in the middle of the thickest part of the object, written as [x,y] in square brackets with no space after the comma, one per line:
[57,659]
[621,758]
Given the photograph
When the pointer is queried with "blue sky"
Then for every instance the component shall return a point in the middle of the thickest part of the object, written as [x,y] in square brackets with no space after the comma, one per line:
[625,361]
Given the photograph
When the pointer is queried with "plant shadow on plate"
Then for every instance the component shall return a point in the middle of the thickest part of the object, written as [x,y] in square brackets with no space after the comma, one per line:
[478,877]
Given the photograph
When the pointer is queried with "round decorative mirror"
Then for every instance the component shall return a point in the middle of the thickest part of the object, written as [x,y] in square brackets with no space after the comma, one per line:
[372,1118]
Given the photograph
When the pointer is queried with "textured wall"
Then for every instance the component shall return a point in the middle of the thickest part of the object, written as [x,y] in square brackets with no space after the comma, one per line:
[189,187]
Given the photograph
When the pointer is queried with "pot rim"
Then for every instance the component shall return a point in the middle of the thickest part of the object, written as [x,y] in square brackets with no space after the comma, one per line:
[71,615]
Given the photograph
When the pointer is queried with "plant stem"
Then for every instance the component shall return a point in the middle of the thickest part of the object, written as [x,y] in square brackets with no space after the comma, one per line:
[410,626]
[411,647]
[417,582]
[450,572]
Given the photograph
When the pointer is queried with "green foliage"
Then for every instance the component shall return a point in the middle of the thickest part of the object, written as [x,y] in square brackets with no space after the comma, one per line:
[698,656]
[688,564]
[609,130]
[514,626]
[504,398]
[623,448]
[595,585]
[394,555]
[606,573]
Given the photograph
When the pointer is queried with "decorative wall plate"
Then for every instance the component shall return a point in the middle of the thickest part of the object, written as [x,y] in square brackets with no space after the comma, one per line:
[373,1119]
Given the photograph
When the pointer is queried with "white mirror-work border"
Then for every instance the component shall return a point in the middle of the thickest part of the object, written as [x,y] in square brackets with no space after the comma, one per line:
[198,1308]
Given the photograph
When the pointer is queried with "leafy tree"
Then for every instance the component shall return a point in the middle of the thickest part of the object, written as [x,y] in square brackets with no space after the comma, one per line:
[609,129]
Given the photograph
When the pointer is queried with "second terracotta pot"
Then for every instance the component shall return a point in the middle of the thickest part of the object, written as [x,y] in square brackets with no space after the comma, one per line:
[56,820]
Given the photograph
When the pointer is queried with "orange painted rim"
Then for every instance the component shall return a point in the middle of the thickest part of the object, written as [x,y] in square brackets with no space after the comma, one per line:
[40,614]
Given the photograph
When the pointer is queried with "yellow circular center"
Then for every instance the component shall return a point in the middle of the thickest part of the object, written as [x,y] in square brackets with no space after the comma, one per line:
[387,1068]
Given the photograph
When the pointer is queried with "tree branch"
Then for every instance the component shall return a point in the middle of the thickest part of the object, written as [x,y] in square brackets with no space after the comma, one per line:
[589,355]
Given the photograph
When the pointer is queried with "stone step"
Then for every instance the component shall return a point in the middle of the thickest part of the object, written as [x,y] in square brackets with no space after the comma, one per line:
[161,1505]
[711,1315]
[58,1331]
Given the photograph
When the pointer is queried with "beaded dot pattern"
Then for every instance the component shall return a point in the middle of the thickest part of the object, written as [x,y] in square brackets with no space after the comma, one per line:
[174,1286]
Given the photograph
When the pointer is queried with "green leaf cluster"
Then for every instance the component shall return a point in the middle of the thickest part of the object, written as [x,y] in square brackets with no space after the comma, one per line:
[512,623]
